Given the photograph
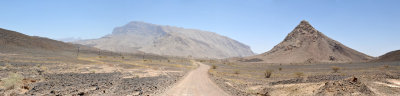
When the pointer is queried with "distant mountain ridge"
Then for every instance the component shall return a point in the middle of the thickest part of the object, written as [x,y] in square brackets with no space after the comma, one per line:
[168,40]
[307,45]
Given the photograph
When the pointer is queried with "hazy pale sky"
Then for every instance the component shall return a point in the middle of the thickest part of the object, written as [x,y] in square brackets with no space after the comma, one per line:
[369,26]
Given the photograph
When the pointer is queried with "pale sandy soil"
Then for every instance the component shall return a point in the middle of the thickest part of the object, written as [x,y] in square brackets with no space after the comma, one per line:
[196,83]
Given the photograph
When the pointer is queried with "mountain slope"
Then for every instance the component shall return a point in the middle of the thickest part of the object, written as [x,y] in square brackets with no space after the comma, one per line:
[18,43]
[11,40]
[390,56]
[307,45]
[168,40]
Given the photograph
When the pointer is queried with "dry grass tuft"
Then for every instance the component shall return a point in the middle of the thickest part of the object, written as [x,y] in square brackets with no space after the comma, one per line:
[386,66]
[268,73]
[299,74]
[14,80]
[236,72]
[214,67]
[335,69]
[8,65]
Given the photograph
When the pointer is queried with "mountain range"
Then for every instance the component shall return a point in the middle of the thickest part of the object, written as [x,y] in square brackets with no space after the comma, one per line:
[168,40]
[304,44]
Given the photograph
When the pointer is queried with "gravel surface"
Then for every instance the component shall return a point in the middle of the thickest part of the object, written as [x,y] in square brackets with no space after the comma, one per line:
[347,87]
[309,79]
[100,84]
[222,83]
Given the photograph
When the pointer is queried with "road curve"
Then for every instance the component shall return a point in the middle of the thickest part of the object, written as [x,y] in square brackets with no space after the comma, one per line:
[196,83]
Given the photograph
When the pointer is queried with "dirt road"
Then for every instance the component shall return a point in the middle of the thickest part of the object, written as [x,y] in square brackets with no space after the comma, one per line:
[196,83]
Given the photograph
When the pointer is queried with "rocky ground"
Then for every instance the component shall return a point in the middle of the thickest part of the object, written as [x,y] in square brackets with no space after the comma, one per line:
[100,84]
[367,79]
[91,76]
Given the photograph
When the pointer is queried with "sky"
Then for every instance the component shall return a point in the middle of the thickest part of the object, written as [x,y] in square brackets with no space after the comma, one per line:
[369,26]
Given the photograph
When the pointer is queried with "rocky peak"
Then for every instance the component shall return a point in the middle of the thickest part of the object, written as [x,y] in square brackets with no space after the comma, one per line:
[307,45]
[139,28]
[304,32]
[169,40]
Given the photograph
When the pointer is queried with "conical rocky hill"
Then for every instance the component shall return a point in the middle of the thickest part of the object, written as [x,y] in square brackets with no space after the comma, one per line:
[307,45]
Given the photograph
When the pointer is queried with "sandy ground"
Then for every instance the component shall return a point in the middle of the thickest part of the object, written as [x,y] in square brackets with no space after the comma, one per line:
[196,83]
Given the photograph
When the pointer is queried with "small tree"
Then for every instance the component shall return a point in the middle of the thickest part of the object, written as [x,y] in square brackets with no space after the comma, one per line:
[268,73]
[335,69]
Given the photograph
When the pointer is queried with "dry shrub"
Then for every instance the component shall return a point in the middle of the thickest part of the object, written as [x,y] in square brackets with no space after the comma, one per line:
[385,66]
[299,74]
[268,73]
[280,68]
[14,80]
[335,69]
[236,72]
[214,67]
[8,65]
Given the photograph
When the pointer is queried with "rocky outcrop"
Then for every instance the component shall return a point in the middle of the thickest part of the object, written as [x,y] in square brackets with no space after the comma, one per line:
[348,87]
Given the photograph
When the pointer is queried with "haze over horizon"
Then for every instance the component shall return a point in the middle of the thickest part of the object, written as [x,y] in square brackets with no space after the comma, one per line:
[368,26]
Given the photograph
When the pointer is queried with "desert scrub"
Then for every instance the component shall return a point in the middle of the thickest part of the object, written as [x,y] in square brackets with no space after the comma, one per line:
[147,60]
[280,68]
[236,72]
[214,67]
[335,69]
[8,65]
[14,80]
[268,73]
[386,66]
[299,74]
